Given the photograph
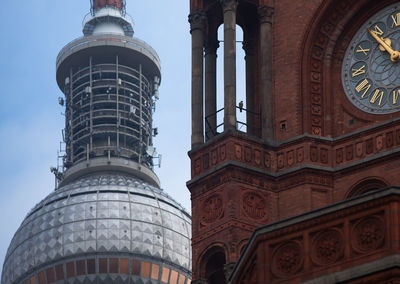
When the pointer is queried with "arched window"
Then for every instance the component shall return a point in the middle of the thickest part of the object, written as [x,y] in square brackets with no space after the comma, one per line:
[213,264]
[365,186]
[240,80]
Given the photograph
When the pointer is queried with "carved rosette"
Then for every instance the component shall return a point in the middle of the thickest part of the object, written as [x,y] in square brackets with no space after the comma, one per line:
[212,209]
[287,259]
[327,247]
[368,234]
[254,206]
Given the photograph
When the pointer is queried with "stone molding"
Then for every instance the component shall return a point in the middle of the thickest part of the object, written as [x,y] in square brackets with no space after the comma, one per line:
[211,46]
[265,14]
[331,155]
[229,5]
[353,233]
[197,21]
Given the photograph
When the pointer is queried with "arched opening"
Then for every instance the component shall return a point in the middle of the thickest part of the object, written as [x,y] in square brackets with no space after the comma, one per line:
[213,264]
[240,81]
[366,186]
[215,269]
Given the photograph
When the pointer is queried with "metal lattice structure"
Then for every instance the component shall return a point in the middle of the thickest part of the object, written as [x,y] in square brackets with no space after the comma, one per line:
[110,82]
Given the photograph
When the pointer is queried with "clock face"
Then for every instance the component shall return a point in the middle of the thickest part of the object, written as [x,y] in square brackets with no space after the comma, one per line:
[371,66]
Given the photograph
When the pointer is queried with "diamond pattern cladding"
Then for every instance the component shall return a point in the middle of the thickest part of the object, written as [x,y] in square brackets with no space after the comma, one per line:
[100,213]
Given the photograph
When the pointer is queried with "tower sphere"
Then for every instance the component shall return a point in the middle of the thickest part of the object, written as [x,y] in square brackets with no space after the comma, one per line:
[108,221]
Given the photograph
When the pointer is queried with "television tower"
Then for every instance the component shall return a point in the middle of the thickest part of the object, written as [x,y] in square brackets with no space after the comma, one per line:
[110,81]
[108,221]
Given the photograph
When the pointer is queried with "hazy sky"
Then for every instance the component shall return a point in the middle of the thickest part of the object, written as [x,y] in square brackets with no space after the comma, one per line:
[32,34]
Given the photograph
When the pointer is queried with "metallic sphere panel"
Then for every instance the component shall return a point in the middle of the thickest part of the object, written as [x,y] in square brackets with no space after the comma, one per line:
[108,214]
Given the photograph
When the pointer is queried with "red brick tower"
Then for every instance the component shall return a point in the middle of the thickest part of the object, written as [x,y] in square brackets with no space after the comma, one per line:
[322,117]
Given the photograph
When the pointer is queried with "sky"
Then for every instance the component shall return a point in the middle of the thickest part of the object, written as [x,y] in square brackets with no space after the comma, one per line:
[32,34]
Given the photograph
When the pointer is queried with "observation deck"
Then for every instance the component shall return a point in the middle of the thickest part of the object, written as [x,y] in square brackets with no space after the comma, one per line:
[110,83]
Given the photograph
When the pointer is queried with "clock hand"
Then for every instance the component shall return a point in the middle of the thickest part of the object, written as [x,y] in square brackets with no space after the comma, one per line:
[394,54]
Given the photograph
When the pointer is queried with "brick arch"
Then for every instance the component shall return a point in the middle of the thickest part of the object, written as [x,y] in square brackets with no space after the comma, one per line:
[242,246]
[366,185]
[325,42]
[208,256]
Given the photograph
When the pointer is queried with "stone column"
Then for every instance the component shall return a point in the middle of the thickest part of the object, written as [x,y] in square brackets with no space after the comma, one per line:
[248,46]
[211,86]
[265,14]
[197,23]
[229,10]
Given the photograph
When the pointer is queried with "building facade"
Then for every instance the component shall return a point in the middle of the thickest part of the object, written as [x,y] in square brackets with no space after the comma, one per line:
[292,199]
[108,221]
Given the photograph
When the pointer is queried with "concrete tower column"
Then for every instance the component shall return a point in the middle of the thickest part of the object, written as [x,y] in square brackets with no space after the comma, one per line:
[248,46]
[229,9]
[265,14]
[197,25]
[211,86]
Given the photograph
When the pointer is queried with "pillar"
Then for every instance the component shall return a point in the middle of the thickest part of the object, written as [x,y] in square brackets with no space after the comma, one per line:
[229,10]
[248,46]
[211,86]
[265,14]
[197,24]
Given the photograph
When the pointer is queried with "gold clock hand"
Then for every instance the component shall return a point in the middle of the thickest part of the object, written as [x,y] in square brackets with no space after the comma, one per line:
[394,54]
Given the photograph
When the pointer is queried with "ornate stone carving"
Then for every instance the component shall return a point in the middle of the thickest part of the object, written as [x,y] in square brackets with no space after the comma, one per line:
[214,157]
[247,154]
[379,142]
[249,46]
[222,152]
[265,14]
[257,157]
[313,154]
[254,206]
[212,209]
[197,21]
[229,5]
[290,158]
[197,166]
[389,139]
[280,160]
[287,259]
[359,149]
[238,151]
[328,247]
[349,152]
[211,46]
[368,234]
[300,154]
[339,156]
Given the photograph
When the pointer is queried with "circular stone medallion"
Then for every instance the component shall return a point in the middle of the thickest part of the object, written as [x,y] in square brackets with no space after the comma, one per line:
[287,259]
[368,234]
[328,247]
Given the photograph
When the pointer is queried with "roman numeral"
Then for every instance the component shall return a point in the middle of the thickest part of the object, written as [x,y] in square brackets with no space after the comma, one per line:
[396,20]
[363,86]
[378,94]
[395,96]
[361,49]
[377,30]
[359,71]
